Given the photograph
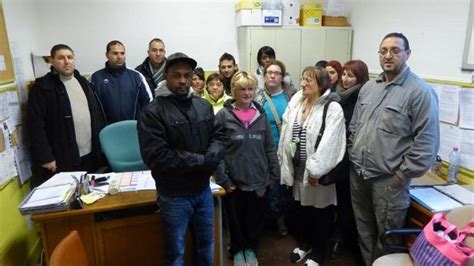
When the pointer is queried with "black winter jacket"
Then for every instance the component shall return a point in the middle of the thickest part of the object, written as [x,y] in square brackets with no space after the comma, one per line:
[175,134]
[49,124]
[144,68]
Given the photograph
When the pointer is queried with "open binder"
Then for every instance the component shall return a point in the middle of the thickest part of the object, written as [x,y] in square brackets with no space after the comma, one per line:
[442,198]
[48,199]
[53,195]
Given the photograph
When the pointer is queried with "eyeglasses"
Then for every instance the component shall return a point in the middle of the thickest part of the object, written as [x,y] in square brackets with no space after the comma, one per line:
[394,51]
[276,73]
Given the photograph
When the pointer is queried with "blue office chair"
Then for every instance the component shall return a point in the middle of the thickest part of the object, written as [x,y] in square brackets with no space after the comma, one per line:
[119,141]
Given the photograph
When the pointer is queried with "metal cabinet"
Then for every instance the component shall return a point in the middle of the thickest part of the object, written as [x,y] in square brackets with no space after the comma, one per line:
[296,47]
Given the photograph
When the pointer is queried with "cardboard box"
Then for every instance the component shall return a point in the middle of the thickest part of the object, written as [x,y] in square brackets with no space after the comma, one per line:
[248,13]
[248,17]
[311,14]
[271,17]
[291,12]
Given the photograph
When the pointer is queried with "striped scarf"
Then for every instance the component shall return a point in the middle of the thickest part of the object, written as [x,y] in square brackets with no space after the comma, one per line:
[158,73]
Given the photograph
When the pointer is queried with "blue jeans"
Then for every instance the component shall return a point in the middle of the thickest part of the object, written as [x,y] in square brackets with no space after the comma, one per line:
[197,212]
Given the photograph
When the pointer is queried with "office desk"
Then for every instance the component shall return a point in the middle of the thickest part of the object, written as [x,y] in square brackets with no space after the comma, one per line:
[122,229]
[418,216]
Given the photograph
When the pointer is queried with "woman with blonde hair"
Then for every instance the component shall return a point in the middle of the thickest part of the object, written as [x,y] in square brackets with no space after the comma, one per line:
[302,165]
[249,168]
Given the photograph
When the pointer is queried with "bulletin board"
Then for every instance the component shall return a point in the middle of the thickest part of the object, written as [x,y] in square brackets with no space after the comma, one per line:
[6,65]
[466,174]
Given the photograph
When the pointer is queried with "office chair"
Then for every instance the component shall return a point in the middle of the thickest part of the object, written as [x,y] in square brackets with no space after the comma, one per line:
[458,217]
[69,251]
[119,141]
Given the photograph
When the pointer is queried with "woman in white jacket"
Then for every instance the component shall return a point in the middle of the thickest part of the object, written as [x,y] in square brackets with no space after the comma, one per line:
[312,213]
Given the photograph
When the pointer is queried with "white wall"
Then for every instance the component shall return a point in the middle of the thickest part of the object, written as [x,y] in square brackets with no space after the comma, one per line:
[202,29]
[436,30]
[205,29]
[20,19]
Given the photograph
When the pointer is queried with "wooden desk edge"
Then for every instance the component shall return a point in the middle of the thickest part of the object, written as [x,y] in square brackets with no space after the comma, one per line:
[112,202]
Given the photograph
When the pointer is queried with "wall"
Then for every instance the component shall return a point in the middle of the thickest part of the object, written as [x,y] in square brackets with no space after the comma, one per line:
[202,29]
[436,31]
[205,30]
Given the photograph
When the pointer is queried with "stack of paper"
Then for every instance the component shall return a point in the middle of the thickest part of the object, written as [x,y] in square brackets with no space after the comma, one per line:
[48,199]
[53,195]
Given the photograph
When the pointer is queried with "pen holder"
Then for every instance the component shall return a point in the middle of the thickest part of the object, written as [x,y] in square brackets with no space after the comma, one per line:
[76,202]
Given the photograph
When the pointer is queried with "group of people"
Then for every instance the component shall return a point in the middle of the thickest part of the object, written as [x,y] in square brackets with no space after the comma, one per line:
[254,133]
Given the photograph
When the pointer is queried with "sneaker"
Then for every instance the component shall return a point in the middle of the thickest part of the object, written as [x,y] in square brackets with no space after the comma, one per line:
[239,259]
[251,258]
[310,262]
[298,254]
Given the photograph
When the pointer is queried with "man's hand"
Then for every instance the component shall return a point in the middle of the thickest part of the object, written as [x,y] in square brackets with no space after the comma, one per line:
[51,166]
[400,180]
[313,181]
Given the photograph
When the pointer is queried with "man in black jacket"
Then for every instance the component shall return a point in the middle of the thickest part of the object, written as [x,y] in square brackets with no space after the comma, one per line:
[63,119]
[182,147]
[153,68]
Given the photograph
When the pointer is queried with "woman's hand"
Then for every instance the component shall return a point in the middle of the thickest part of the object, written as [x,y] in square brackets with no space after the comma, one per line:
[313,181]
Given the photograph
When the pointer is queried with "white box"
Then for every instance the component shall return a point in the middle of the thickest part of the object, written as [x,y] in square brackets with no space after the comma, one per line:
[271,17]
[291,12]
[248,17]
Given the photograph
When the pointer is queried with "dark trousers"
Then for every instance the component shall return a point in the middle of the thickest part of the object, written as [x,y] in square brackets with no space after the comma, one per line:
[345,228]
[311,227]
[245,212]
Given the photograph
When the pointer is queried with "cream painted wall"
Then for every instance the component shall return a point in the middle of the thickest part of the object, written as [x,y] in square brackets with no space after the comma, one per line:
[205,30]
[436,30]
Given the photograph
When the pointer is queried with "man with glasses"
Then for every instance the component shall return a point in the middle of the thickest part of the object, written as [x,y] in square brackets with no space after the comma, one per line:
[394,137]
[154,65]
[182,147]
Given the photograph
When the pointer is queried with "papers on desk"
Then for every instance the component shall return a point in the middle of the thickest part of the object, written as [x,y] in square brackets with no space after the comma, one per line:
[458,193]
[53,195]
[442,198]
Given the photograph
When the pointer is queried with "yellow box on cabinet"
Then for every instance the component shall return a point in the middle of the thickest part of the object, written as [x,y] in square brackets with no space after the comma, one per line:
[311,14]
[248,4]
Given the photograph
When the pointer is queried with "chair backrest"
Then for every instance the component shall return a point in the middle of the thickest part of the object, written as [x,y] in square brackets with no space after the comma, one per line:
[69,251]
[119,141]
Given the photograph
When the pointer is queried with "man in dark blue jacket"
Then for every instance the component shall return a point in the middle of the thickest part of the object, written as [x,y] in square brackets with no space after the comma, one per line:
[123,92]
[182,147]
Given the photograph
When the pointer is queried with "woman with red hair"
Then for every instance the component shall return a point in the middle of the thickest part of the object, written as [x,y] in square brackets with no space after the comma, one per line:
[354,75]
[334,69]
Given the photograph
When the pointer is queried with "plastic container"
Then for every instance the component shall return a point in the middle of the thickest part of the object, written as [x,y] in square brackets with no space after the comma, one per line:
[453,165]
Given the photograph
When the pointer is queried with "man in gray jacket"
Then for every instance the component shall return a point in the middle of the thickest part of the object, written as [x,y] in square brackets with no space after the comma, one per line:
[394,137]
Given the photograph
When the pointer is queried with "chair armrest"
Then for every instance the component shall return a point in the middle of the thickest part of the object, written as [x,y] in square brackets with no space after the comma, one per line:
[398,232]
